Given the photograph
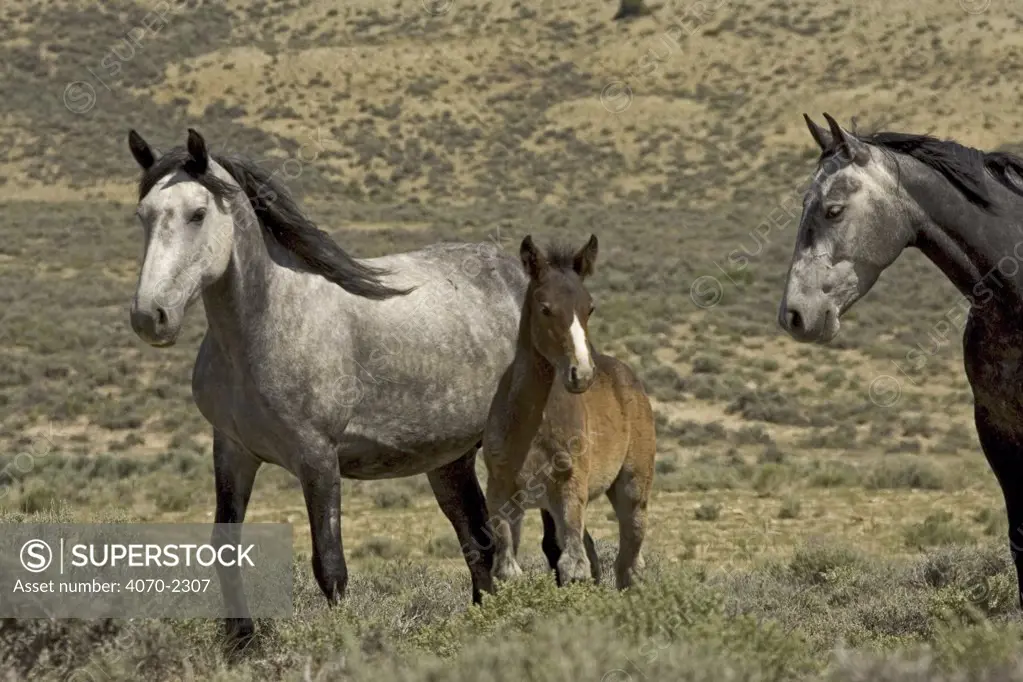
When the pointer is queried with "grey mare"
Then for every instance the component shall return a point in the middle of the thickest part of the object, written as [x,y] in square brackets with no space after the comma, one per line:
[873,196]
[317,362]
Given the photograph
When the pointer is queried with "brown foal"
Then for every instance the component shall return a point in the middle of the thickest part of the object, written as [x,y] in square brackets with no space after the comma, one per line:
[557,444]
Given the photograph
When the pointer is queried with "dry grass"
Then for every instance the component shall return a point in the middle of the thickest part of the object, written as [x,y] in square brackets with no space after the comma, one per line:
[487,121]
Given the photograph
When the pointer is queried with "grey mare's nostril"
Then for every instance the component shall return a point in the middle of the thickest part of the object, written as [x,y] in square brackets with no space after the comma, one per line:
[794,319]
[161,317]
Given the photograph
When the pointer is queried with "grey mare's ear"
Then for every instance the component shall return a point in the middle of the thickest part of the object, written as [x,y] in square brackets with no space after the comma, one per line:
[200,160]
[141,150]
[846,144]
[532,260]
[586,259]
[821,136]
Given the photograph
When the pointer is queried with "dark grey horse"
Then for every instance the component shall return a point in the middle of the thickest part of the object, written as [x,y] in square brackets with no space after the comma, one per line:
[322,364]
[873,196]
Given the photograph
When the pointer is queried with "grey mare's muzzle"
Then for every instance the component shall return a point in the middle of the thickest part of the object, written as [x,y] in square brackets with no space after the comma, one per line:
[154,324]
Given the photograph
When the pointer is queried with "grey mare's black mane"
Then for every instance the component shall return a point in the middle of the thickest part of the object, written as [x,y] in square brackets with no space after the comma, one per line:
[280,216]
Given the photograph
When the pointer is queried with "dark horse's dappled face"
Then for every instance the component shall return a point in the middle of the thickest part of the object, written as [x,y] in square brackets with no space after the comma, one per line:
[188,239]
[853,226]
[559,309]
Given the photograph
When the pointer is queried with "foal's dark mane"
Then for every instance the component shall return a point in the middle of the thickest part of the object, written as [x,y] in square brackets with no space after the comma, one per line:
[280,216]
[962,166]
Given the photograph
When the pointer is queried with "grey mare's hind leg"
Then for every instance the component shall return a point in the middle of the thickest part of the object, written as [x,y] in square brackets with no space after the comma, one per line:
[461,499]
[321,485]
[552,551]
[234,471]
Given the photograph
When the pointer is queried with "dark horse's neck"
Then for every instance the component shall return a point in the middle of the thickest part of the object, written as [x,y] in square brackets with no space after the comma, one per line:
[532,378]
[979,250]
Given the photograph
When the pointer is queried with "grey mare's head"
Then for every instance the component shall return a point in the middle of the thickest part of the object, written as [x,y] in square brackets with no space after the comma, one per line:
[190,203]
[855,223]
[188,231]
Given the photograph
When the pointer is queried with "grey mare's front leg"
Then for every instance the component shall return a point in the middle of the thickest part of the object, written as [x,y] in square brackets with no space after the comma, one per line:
[461,499]
[320,477]
[234,471]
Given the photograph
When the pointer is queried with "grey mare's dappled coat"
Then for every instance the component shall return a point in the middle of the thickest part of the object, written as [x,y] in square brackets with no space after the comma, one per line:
[322,364]
[873,196]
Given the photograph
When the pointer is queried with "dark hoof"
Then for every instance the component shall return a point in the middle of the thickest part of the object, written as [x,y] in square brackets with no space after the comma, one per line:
[238,634]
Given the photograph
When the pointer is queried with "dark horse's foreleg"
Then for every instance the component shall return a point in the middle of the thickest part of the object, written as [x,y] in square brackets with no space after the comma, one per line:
[321,485]
[234,471]
[1005,455]
[553,552]
[461,499]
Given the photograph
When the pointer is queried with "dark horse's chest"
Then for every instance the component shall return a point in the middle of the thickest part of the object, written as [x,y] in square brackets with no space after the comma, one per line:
[993,356]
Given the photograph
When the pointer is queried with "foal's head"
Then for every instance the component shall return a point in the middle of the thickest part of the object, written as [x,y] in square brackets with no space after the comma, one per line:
[558,308]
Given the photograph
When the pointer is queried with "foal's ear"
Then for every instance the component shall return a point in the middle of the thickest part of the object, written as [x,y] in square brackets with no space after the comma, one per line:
[200,160]
[586,259]
[532,260]
[849,146]
[141,150]
[821,136]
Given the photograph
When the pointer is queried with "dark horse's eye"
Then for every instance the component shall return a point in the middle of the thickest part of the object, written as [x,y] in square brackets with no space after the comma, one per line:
[592,308]
[545,309]
[198,216]
[834,211]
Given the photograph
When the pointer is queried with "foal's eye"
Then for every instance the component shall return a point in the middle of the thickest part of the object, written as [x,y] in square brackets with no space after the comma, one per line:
[198,216]
[545,309]
[834,211]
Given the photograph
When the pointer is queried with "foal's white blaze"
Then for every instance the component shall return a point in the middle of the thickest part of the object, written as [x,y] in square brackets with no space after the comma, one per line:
[580,349]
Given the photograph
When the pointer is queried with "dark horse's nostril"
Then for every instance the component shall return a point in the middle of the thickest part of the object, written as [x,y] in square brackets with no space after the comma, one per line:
[573,374]
[795,320]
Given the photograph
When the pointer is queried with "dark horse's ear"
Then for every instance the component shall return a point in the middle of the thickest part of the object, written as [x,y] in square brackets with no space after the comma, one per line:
[140,150]
[821,136]
[532,260]
[200,160]
[849,146]
[586,259]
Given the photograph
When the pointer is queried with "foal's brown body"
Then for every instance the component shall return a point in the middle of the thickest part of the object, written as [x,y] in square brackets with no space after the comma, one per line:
[557,449]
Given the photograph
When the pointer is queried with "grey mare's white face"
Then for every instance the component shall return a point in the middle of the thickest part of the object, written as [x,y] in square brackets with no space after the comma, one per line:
[853,227]
[188,243]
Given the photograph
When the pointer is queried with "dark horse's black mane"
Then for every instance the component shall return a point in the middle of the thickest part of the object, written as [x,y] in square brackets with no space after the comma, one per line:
[962,166]
[280,215]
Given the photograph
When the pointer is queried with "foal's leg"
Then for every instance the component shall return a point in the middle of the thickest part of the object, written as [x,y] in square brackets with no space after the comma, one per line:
[568,508]
[234,471]
[321,484]
[460,498]
[505,518]
[552,551]
[628,496]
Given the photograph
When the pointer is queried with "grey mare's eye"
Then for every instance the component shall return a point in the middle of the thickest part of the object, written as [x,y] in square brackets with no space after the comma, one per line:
[198,216]
[833,211]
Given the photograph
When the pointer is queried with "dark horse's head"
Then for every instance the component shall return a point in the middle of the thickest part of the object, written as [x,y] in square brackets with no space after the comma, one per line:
[851,229]
[870,197]
[558,309]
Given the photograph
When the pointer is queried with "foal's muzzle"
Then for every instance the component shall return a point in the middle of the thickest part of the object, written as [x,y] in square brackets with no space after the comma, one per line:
[578,380]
